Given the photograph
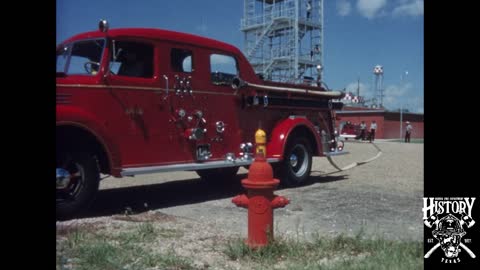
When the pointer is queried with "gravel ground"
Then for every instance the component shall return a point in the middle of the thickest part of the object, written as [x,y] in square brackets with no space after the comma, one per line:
[384,197]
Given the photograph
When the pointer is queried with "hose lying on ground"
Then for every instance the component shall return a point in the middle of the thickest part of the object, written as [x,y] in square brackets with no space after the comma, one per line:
[354,164]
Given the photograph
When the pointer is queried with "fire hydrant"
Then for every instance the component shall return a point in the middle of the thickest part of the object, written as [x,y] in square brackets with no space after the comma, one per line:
[260,200]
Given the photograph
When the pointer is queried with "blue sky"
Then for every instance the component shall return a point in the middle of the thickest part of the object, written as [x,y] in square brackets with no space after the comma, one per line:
[358,34]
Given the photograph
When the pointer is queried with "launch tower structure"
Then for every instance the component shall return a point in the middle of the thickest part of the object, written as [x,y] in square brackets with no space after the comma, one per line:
[283,39]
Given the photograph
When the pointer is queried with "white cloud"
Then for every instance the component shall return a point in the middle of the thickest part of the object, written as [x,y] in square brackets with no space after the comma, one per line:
[365,90]
[395,96]
[370,8]
[415,104]
[403,97]
[409,8]
[344,7]
[397,91]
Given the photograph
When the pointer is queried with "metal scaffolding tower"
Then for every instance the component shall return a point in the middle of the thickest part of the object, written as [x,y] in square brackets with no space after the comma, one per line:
[284,39]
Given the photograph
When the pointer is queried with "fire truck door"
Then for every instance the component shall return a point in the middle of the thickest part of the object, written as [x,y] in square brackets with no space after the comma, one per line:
[185,111]
[136,84]
[216,99]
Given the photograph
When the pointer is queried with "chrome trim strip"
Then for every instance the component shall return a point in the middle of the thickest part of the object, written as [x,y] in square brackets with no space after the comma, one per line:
[360,111]
[296,116]
[109,86]
[189,166]
[137,88]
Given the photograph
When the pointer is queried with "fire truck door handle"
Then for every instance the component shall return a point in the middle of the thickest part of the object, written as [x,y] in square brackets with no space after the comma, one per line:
[166,85]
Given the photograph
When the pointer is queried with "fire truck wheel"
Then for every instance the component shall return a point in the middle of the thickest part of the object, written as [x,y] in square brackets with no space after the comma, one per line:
[77,181]
[219,174]
[295,169]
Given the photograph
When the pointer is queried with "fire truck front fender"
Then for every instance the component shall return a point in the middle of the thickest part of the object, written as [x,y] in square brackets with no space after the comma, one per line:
[287,128]
[88,122]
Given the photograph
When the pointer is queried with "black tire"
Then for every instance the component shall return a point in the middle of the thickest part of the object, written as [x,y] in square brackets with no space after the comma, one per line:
[83,187]
[296,166]
[218,174]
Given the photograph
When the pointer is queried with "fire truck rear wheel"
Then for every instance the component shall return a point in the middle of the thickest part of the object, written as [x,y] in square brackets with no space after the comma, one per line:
[295,169]
[218,174]
[81,182]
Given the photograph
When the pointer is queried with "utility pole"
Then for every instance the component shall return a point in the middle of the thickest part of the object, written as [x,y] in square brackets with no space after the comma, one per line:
[401,121]
[402,78]
[358,87]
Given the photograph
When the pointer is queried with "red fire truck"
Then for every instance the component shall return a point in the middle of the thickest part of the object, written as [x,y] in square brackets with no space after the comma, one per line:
[349,130]
[134,101]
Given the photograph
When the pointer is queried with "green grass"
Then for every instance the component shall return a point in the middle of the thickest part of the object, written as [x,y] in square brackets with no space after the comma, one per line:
[95,249]
[125,250]
[341,252]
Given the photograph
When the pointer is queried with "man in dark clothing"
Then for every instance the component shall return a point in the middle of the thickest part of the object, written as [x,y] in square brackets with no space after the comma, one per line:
[408,132]
[363,127]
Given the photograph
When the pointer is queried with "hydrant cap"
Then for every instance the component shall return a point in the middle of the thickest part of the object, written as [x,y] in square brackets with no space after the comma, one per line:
[260,136]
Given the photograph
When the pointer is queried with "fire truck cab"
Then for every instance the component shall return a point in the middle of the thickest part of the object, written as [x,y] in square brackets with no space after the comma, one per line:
[134,101]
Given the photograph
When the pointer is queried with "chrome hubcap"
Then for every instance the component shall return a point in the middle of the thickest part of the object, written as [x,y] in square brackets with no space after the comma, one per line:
[70,180]
[63,178]
[293,160]
[299,160]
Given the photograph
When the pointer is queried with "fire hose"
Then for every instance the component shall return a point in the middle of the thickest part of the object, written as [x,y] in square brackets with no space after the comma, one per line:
[355,164]
[237,83]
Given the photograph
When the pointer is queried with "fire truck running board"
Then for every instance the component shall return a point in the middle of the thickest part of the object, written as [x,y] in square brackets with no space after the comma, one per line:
[190,166]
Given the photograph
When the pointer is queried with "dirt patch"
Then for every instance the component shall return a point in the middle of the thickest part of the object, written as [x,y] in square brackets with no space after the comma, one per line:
[149,216]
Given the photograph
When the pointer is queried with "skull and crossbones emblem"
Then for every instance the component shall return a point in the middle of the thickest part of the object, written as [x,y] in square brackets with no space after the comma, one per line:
[449,232]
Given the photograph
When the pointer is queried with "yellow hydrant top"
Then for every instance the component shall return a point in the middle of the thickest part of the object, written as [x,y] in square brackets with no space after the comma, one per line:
[260,136]
[261,142]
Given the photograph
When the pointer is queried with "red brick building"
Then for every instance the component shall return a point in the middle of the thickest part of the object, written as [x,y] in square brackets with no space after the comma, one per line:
[388,123]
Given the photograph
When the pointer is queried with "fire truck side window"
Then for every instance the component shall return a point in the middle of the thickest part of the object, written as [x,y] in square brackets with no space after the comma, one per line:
[132,59]
[181,60]
[223,68]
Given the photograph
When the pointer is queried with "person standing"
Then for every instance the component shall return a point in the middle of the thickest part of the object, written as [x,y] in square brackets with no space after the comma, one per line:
[363,127]
[408,132]
[309,9]
[373,128]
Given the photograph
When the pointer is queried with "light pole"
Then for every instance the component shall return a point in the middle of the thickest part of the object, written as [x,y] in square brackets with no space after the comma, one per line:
[401,105]
[401,121]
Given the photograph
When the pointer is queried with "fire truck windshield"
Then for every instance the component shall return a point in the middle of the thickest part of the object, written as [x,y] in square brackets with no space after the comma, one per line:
[81,57]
